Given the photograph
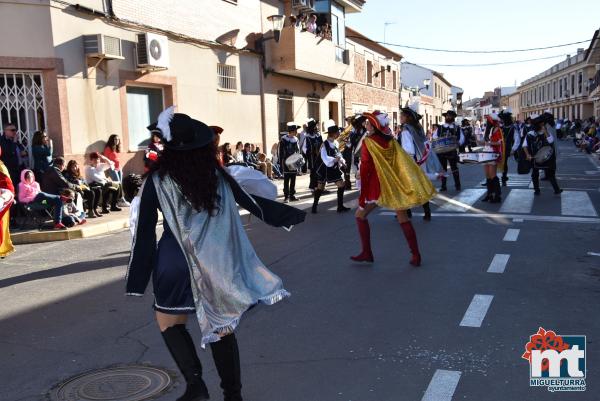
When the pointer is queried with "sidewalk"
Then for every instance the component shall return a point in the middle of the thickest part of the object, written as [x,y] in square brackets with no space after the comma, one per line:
[115,221]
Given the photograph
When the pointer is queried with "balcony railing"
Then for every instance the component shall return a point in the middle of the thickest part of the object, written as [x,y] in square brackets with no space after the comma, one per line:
[595,82]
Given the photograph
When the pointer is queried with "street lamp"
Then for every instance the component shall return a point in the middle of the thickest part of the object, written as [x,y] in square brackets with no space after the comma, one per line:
[277,21]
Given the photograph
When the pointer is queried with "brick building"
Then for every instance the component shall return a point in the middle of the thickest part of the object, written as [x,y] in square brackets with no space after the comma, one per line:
[376,84]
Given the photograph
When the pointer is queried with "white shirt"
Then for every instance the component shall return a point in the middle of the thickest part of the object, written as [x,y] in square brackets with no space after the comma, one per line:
[96,174]
[328,160]
[407,142]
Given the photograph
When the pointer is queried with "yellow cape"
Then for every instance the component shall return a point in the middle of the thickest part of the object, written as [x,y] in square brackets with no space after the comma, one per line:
[402,182]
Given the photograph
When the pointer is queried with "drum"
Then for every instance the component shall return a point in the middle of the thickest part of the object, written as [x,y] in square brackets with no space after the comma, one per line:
[444,145]
[295,161]
[544,154]
[478,157]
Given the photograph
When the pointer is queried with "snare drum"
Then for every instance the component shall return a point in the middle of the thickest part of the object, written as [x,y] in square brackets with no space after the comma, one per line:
[478,157]
[295,162]
[444,145]
[544,154]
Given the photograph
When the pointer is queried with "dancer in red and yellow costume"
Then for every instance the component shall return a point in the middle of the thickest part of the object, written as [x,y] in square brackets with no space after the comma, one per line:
[7,194]
[389,178]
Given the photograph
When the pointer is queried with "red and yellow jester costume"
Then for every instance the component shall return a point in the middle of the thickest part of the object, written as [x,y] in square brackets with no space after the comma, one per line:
[389,178]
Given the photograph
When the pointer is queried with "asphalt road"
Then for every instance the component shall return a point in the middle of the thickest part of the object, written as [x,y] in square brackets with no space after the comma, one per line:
[350,332]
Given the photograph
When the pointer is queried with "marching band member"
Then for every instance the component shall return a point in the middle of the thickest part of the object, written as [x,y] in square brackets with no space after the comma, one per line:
[310,148]
[414,142]
[494,140]
[450,129]
[288,145]
[388,178]
[541,135]
[511,136]
[330,168]
[468,134]
[204,264]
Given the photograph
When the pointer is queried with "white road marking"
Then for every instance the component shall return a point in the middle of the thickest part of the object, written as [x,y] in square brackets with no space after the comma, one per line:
[504,217]
[464,200]
[511,234]
[518,201]
[498,264]
[442,385]
[518,220]
[477,310]
[593,254]
[576,203]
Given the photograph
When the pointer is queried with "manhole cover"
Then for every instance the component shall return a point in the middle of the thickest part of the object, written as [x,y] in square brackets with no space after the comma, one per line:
[126,383]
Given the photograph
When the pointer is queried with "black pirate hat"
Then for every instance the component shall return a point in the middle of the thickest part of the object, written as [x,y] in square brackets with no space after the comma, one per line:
[181,132]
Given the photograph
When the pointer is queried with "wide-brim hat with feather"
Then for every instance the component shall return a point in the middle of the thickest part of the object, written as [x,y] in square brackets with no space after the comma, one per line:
[380,121]
[450,113]
[493,119]
[181,132]
[311,123]
[412,111]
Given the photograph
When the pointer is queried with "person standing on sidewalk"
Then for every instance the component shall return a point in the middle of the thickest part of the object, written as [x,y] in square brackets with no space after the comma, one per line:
[288,146]
[111,151]
[204,263]
[388,178]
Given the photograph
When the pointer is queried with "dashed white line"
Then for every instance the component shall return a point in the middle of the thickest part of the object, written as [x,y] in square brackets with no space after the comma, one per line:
[511,234]
[442,385]
[518,220]
[498,264]
[593,254]
[477,310]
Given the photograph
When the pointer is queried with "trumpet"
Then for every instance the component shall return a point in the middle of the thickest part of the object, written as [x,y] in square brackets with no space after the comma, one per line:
[344,137]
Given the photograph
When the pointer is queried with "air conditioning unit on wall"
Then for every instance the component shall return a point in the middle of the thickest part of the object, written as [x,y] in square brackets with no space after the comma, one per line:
[303,5]
[152,51]
[103,47]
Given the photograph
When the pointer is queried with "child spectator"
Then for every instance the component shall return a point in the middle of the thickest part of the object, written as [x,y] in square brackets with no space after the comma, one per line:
[96,177]
[72,215]
[30,193]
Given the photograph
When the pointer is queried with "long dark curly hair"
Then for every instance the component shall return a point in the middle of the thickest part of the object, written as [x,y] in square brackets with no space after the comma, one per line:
[195,173]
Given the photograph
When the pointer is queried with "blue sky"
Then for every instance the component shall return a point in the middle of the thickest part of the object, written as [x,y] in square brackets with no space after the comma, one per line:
[481,25]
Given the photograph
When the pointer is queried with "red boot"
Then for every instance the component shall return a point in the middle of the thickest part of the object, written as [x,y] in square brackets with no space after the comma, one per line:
[411,238]
[365,238]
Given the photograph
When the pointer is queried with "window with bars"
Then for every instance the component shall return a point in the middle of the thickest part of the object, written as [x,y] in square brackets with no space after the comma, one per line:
[314,108]
[226,77]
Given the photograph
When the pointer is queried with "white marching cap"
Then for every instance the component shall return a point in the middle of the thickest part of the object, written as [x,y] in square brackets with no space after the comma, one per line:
[330,123]
[533,116]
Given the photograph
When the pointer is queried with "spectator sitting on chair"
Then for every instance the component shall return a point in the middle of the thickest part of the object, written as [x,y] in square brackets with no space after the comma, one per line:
[96,177]
[53,181]
[91,195]
[41,148]
[72,215]
[226,154]
[111,151]
[248,157]
[265,165]
[30,193]
[238,154]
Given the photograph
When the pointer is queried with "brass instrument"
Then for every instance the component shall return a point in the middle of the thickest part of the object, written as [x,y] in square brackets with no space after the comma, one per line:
[344,137]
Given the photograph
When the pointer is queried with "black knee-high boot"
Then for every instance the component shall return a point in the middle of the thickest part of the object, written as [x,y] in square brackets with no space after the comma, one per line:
[496,191]
[227,360]
[427,210]
[456,176]
[340,201]
[317,196]
[488,195]
[182,349]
